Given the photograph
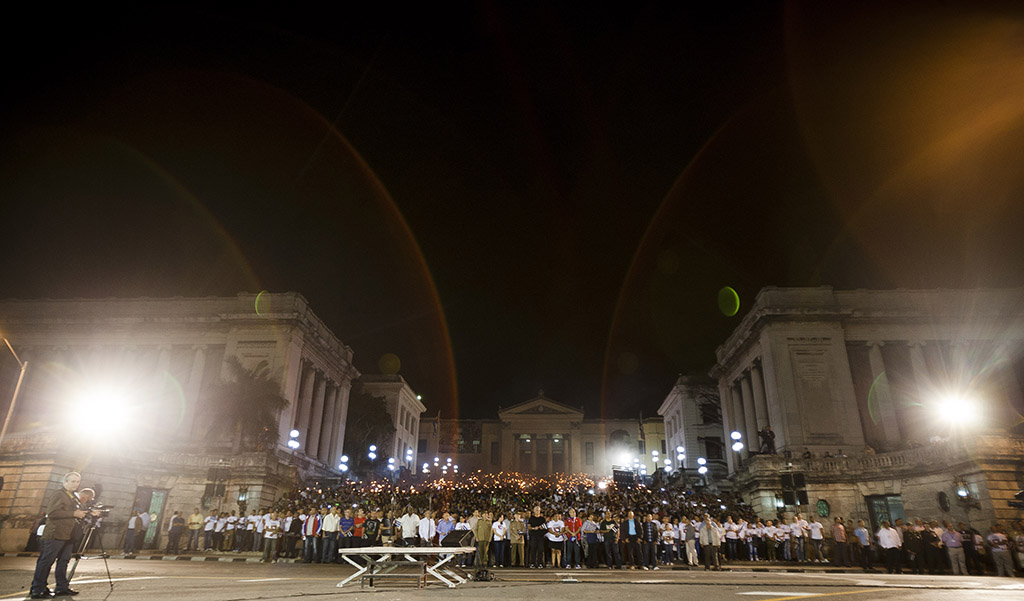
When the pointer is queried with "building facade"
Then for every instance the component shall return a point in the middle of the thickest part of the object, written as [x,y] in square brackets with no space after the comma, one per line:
[405,408]
[884,404]
[166,447]
[543,436]
[693,426]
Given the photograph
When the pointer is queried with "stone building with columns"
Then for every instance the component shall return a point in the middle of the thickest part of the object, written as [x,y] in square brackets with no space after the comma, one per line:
[543,436]
[166,358]
[885,404]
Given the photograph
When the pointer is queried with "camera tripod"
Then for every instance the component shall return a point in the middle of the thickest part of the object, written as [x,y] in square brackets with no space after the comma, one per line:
[79,554]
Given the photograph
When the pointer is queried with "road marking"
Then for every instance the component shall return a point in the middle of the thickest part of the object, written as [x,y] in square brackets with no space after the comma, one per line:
[806,596]
[769,594]
[126,578]
[264,579]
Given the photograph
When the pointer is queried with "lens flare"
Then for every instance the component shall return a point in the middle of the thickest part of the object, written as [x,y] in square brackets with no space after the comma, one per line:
[728,301]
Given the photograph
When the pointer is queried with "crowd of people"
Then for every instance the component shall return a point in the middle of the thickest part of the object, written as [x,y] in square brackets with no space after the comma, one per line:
[571,522]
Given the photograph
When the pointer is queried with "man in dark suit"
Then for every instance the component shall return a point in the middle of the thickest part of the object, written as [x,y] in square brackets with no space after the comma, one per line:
[62,509]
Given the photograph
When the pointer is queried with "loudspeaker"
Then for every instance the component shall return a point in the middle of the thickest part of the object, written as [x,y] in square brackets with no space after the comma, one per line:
[801,497]
[459,538]
[787,481]
[789,497]
[799,481]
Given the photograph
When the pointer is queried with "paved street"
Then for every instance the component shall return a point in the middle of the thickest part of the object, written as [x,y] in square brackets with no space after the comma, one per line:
[220,581]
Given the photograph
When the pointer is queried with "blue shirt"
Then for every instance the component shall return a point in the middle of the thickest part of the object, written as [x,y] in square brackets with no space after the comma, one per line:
[444,527]
[346,525]
[632,527]
[862,535]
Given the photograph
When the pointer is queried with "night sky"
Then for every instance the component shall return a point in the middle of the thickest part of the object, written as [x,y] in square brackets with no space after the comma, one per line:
[511,198]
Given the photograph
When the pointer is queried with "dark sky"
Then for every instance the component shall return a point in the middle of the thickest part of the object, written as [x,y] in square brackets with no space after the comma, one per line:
[511,198]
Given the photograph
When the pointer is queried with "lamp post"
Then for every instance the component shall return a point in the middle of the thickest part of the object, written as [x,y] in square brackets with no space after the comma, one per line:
[17,388]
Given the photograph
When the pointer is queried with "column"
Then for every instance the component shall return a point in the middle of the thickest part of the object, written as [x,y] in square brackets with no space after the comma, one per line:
[884,412]
[317,415]
[305,402]
[195,382]
[535,442]
[739,416]
[725,400]
[551,455]
[750,418]
[326,455]
[760,401]
[341,418]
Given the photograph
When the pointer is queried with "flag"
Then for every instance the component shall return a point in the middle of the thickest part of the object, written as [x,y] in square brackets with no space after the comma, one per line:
[643,437]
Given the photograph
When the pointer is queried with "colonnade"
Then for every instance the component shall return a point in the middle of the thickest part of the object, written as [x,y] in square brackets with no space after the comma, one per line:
[321,410]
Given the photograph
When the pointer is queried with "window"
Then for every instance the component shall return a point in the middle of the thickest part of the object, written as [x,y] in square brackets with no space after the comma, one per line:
[713,447]
[662,447]
[641,448]
[422,448]
[495,454]
[588,450]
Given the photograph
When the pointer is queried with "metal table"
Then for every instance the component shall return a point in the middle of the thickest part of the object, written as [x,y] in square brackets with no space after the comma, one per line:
[436,558]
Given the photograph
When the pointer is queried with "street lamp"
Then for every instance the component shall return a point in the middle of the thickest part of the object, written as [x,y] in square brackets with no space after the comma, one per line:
[293,440]
[17,388]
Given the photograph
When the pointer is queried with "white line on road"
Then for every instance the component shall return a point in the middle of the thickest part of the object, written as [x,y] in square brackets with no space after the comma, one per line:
[778,594]
[264,579]
[98,580]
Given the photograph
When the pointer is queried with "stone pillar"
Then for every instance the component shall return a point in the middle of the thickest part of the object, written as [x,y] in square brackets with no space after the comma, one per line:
[326,454]
[193,389]
[341,410]
[305,402]
[551,455]
[885,410]
[740,418]
[728,417]
[750,418]
[316,420]
[760,401]
[533,456]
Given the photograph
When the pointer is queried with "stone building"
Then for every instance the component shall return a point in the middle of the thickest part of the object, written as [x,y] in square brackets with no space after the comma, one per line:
[153,435]
[405,408]
[693,424]
[885,404]
[542,436]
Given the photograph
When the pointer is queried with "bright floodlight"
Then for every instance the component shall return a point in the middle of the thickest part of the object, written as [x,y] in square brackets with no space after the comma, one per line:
[957,409]
[294,434]
[419,397]
[344,458]
[391,466]
[736,435]
[737,446]
[602,484]
[436,459]
[425,466]
[701,461]
[667,462]
[372,456]
[680,449]
[343,467]
[391,460]
[449,460]
[680,457]
[655,453]
[702,470]
[373,448]
[102,410]
[293,444]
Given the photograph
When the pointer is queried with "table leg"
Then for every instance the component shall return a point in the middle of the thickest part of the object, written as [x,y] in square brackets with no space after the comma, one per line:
[360,570]
[433,570]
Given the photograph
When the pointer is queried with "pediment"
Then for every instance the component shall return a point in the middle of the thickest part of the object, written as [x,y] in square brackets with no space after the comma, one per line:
[541,406]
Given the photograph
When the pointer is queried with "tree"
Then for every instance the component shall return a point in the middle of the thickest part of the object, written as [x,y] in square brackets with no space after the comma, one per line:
[250,404]
[368,424]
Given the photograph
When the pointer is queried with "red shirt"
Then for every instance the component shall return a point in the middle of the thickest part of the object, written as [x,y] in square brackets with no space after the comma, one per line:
[573,527]
[357,531]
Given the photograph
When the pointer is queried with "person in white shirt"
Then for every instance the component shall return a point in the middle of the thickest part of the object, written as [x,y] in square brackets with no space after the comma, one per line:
[556,538]
[731,538]
[816,529]
[889,540]
[770,540]
[799,531]
[329,527]
[782,533]
[426,529]
[271,530]
[209,523]
[409,523]
[229,532]
[499,542]
[251,527]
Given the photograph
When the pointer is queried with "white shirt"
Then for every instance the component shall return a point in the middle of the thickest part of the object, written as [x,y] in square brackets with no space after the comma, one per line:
[426,529]
[815,528]
[887,538]
[271,528]
[499,530]
[409,522]
[558,526]
[209,522]
[330,522]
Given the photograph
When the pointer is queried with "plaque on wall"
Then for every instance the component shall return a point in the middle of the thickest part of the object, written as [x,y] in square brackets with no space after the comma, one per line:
[823,508]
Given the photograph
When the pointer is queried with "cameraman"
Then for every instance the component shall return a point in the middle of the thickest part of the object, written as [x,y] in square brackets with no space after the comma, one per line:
[62,509]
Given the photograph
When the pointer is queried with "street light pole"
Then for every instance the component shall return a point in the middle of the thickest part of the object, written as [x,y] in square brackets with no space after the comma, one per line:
[17,389]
